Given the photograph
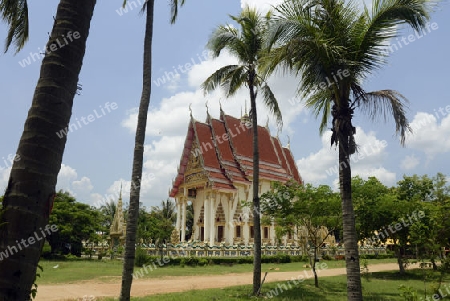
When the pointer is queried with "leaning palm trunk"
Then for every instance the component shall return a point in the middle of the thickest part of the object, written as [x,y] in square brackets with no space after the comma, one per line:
[133,211]
[30,192]
[343,128]
[256,205]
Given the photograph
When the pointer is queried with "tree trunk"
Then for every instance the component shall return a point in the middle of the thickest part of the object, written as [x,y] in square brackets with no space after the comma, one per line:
[401,267]
[30,192]
[256,205]
[316,279]
[354,290]
[133,210]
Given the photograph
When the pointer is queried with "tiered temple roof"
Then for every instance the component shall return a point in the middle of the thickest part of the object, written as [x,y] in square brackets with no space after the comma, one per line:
[223,149]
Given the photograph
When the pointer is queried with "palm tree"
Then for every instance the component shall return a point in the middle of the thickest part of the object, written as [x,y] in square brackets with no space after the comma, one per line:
[133,210]
[31,187]
[246,45]
[15,13]
[334,47]
[108,210]
[167,211]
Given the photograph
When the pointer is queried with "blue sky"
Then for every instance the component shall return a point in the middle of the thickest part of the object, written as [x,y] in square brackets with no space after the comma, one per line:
[98,154]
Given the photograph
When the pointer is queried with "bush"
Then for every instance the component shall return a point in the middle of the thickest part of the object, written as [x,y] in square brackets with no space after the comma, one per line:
[377,256]
[202,262]
[46,251]
[299,258]
[327,257]
[141,257]
[280,258]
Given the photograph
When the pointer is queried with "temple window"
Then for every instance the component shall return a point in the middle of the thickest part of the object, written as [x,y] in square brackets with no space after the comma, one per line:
[266,232]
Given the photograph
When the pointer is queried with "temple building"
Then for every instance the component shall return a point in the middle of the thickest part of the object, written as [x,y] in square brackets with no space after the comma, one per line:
[117,231]
[215,174]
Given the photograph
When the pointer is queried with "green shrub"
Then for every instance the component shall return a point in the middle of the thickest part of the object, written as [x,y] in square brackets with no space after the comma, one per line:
[141,257]
[327,257]
[202,262]
[378,256]
[46,251]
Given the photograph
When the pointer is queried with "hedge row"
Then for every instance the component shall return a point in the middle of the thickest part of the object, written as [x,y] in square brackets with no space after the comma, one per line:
[142,258]
[378,256]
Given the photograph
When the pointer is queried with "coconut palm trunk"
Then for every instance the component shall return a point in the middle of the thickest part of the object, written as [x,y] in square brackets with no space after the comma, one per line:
[138,157]
[256,205]
[350,236]
[30,192]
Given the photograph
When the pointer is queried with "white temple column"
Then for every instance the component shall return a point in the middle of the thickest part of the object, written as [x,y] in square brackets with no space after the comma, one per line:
[183,220]
[226,209]
[212,229]
[206,219]
[178,226]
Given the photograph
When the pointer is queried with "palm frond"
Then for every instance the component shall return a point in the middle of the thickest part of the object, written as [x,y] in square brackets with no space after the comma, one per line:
[15,14]
[271,103]
[217,78]
[301,44]
[375,29]
[386,104]
[174,9]
[234,81]
[224,37]
[320,103]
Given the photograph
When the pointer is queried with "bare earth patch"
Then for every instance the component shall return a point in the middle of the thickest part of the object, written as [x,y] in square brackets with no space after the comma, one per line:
[145,287]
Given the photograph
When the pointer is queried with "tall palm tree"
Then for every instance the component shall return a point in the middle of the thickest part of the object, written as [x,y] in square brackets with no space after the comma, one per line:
[167,210]
[247,45]
[133,210]
[29,196]
[108,210]
[334,47]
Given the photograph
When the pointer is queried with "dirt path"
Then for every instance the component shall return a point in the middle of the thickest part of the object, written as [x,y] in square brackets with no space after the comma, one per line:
[91,290]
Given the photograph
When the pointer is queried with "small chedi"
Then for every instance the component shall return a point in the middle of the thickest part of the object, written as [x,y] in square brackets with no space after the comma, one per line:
[117,231]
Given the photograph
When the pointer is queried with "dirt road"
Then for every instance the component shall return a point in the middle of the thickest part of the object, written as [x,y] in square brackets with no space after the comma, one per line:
[93,289]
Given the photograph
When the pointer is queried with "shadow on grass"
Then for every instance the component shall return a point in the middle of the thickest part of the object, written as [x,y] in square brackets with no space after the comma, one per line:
[383,286]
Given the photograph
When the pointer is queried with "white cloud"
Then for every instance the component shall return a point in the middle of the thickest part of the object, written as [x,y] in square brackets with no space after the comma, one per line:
[83,184]
[430,134]
[410,162]
[66,176]
[79,188]
[322,167]
[4,178]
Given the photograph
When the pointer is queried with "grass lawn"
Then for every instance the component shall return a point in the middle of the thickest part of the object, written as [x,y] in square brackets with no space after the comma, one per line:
[107,270]
[382,286]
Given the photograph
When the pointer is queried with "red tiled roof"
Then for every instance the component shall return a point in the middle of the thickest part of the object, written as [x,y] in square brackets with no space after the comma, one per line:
[206,145]
[290,159]
[226,151]
[242,139]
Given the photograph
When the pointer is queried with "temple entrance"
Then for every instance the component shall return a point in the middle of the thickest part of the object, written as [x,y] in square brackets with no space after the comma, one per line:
[202,233]
[219,233]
